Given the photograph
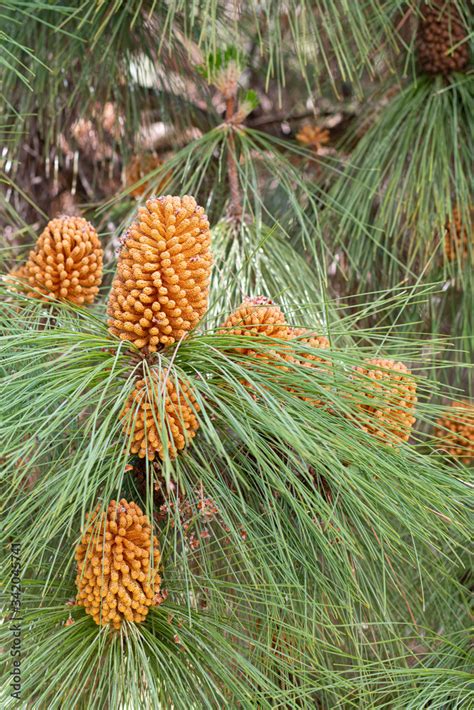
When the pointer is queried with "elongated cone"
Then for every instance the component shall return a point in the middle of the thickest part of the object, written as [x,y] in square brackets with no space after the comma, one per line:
[117,565]
[66,262]
[314,341]
[161,397]
[455,432]
[390,416]
[253,318]
[259,316]
[161,288]
[318,342]
[442,39]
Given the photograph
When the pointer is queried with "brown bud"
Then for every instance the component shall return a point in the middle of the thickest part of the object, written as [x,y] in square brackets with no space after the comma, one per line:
[442,39]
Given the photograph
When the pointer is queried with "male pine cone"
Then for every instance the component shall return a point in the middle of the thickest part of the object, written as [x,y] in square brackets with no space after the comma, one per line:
[255,317]
[442,40]
[259,316]
[160,416]
[307,359]
[66,262]
[115,580]
[389,400]
[136,171]
[459,237]
[455,432]
[161,288]
[317,342]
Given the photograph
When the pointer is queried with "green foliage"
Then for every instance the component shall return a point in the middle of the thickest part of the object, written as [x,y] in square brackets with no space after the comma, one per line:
[334,571]
[423,132]
[329,515]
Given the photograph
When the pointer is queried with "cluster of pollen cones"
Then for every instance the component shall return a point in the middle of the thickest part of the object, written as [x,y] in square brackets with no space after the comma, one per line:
[160,291]
[259,316]
[159,294]
[66,262]
[455,432]
[388,399]
[160,415]
[386,408]
[117,565]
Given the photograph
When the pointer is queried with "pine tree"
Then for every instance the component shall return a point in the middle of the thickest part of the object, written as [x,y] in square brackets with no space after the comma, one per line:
[235,343]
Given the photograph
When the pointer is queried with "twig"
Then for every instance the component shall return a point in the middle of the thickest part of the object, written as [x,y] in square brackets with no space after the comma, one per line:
[235,200]
[278,118]
[268,120]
